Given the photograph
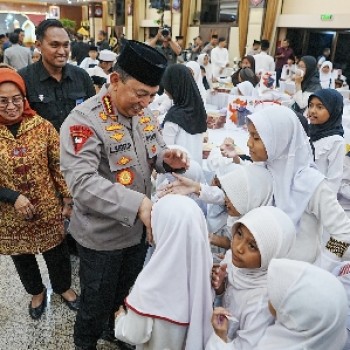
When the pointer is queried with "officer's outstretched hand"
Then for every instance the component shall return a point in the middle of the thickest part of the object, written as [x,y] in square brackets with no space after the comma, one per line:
[144,214]
[176,159]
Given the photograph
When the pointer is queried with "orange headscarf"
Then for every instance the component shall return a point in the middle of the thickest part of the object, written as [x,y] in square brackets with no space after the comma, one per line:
[8,75]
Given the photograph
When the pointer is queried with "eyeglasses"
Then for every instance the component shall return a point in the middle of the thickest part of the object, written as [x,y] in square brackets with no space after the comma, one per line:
[16,100]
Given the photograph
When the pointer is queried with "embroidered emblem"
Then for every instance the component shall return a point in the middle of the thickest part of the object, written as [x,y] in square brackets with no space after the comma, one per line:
[145,120]
[125,177]
[148,128]
[80,134]
[41,98]
[107,103]
[118,136]
[154,148]
[123,160]
[114,127]
[103,116]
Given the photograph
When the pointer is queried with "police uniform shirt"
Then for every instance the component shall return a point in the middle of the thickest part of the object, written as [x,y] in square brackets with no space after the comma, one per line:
[107,160]
[52,99]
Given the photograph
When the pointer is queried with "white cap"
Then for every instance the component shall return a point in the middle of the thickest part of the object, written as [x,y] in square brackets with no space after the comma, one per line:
[107,56]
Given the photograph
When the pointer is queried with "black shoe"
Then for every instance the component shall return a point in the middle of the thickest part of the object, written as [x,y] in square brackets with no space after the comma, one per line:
[108,335]
[124,346]
[36,312]
[74,304]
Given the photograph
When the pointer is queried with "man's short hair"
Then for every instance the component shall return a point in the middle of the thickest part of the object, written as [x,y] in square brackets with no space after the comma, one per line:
[265,44]
[44,25]
[14,38]
[221,39]
[18,30]
[214,36]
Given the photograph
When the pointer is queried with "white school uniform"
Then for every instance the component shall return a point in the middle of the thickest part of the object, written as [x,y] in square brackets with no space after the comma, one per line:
[311,308]
[246,293]
[174,287]
[329,155]
[299,188]
[219,59]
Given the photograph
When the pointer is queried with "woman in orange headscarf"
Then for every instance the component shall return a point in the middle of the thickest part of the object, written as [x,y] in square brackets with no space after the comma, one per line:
[30,208]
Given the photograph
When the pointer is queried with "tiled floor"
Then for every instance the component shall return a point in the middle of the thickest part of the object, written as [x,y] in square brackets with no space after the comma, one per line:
[54,331]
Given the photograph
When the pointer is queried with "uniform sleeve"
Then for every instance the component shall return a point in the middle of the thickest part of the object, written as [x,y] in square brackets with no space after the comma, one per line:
[80,169]
[133,328]
[170,132]
[53,152]
[302,98]
[335,165]
[253,323]
[325,206]
[212,194]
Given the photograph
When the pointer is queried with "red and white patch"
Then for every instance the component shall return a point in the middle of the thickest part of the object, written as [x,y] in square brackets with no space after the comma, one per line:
[345,270]
[80,134]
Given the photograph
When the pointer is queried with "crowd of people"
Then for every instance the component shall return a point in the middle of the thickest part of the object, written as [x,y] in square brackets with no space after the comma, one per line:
[250,255]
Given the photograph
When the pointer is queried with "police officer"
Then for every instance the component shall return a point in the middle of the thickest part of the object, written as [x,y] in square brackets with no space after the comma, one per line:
[109,146]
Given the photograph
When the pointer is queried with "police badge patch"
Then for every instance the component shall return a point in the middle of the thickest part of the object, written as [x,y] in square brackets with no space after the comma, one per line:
[79,134]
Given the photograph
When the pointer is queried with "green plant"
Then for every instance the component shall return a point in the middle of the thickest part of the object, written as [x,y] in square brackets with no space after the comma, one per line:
[68,24]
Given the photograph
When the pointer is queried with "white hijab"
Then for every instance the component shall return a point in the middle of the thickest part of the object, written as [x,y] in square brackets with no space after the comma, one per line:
[311,308]
[175,284]
[197,75]
[290,160]
[246,88]
[326,79]
[248,187]
[208,67]
[274,234]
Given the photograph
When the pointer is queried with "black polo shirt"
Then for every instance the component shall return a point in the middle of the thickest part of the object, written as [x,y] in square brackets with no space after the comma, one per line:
[54,100]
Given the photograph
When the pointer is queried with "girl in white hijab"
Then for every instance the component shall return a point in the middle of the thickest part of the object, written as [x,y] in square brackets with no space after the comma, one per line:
[170,304]
[310,306]
[197,75]
[262,234]
[327,80]
[277,138]
[203,60]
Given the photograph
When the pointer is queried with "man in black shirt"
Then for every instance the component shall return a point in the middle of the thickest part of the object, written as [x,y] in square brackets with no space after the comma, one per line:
[55,87]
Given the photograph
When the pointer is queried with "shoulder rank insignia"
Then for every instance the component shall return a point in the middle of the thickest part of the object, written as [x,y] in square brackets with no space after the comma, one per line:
[103,116]
[114,127]
[107,104]
[144,120]
[118,136]
[123,160]
[148,128]
[125,177]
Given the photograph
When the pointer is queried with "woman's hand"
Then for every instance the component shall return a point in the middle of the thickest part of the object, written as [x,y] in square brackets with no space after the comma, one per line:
[24,207]
[182,185]
[220,322]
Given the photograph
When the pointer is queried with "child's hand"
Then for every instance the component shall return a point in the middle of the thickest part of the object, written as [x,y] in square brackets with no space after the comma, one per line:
[182,185]
[220,322]
[120,312]
[218,275]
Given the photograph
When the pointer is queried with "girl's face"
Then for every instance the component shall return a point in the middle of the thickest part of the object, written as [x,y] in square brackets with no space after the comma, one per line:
[317,112]
[205,60]
[302,66]
[36,57]
[325,69]
[257,150]
[245,63]
[245,251]
[290,61]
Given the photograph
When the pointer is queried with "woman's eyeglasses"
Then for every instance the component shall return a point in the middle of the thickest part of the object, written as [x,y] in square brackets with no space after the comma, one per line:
[5,101]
